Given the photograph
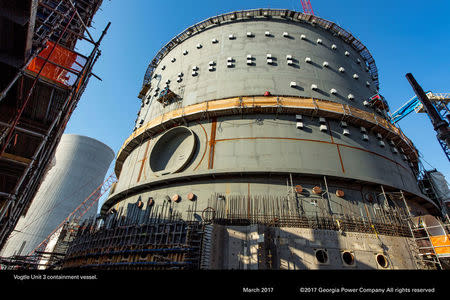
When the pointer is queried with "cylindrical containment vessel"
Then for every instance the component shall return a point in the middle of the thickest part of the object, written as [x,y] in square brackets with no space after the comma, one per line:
[77,169]
[267,127]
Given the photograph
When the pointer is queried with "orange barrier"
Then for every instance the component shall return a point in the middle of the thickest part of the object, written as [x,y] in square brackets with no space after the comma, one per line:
[59,63]
[441,244]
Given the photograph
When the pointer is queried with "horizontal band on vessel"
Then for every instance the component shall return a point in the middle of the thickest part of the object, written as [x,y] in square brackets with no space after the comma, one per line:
[264,104]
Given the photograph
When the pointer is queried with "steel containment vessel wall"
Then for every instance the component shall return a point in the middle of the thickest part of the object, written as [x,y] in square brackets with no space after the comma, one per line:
[268,126]
[210,82]
[78,168]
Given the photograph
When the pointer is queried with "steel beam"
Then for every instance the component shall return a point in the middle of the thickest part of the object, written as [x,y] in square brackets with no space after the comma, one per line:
[20,129]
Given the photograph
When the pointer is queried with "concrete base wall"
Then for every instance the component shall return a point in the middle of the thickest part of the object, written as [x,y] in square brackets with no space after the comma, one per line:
[288,248]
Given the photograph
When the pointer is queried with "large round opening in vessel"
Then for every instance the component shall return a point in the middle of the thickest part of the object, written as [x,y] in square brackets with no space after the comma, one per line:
[382,261]
[348,258]
[173,151]
[322,256]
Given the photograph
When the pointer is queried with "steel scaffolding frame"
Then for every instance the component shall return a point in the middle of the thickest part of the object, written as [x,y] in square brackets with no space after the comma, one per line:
[62,15]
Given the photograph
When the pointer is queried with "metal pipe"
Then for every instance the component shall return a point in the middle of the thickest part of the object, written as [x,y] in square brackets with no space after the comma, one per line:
[81,20]
[48,17]
[406,205]
[328,196]
[431,110]
[60,66]
[23,130]
[71,31]
[440,125]
[15,161]
[88,64]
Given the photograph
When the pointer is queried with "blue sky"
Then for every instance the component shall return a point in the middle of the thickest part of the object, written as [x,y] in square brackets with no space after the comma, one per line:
[402,35]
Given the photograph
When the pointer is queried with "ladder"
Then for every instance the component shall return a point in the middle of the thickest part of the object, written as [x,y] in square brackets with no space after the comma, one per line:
[421,259]
[205,259]
[424,249]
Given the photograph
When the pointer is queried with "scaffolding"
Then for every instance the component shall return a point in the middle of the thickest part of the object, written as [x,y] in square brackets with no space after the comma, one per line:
[153,238]
[430,242]
[40,98]
[76,216]
[144,236]
[287,211]
[50,252]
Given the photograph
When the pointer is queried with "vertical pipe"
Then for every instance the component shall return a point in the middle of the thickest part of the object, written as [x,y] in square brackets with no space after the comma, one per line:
[248,201]
[328,196]
[292,189]
[406,205]
[212,143]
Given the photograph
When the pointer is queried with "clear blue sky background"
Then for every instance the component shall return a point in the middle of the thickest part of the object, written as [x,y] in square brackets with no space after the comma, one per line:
[402,35]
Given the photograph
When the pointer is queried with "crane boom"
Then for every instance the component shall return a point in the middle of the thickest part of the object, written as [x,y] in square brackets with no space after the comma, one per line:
[413,104]
[307,8]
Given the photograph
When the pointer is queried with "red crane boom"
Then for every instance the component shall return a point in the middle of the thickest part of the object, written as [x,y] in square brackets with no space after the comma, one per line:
[307,8]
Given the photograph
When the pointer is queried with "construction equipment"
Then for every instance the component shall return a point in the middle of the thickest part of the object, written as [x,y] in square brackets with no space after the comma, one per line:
[434,105]
[412,105]
[307,8]
[437,119]
[439,100]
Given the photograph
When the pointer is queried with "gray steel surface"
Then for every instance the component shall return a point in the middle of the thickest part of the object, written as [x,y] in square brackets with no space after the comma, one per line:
[242,79]
[255,154]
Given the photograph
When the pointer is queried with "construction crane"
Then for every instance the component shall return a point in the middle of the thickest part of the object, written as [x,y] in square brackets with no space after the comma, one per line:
[435,105]
[440,101]
[79,212]
[307,8]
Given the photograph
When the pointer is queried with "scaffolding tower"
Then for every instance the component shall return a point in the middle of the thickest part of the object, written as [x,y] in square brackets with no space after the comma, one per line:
[42,80]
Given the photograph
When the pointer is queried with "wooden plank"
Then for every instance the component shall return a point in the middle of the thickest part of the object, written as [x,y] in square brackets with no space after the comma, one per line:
[16,158]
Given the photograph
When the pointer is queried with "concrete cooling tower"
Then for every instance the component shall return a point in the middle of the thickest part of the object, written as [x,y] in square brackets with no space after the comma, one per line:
[78,168]
[262,142]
